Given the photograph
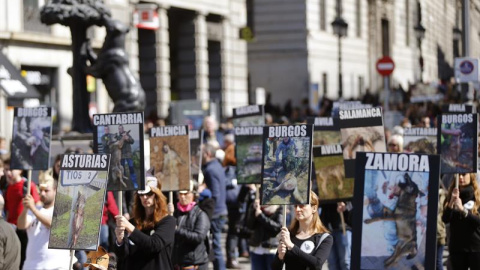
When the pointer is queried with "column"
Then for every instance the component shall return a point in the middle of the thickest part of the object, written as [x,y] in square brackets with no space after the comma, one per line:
[163,63]
[201,56]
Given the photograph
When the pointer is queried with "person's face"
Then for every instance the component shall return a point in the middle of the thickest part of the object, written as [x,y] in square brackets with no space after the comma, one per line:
[285,140]
[304,212]
[148,199]
[47,195]
[11,175]
[393,146]
[464,179]
[107,130]
[209,125]
[120,129]
[185,198]
[165,148]
[426,122]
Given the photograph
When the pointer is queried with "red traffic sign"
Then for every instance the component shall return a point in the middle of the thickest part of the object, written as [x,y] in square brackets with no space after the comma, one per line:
[385,66]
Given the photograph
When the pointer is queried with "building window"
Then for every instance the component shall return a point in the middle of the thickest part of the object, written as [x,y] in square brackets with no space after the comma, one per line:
[250,18]
[385,38]
[324,83]
[31,16]
[407,22]
[358,18]
[323,15]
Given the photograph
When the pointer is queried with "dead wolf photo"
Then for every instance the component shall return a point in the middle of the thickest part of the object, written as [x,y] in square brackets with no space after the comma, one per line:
[286,173]
[392,229]
[77,213]
[31,138]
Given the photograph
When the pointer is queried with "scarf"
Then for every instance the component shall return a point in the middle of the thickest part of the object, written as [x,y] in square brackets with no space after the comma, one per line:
[185,208]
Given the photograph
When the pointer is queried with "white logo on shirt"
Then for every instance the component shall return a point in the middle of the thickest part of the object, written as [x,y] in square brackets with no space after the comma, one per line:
[307,247]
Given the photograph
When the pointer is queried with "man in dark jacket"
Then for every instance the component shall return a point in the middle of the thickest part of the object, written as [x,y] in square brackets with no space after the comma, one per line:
[214,177]
[190,249]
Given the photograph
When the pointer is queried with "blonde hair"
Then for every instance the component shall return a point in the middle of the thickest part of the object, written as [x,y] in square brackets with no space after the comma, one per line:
[317,225]
[476,190]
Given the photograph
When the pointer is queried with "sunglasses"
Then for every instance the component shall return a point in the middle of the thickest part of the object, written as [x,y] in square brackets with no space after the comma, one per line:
[150,193]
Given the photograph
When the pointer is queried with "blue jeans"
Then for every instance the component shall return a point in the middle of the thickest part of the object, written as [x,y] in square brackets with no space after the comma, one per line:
[216,229]
[440,256]
[261,262]
[104,236]
[341,251]
[133,176]
[81,257]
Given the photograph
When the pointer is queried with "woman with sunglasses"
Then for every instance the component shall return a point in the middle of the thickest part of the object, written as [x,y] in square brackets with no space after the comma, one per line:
[307,244]
[461,210]
[146,241]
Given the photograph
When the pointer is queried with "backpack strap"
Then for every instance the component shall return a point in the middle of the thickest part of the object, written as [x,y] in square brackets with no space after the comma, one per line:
[325,235]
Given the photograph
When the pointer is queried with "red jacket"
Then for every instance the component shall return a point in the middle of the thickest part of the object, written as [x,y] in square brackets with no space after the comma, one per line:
[14,197]
[110,206]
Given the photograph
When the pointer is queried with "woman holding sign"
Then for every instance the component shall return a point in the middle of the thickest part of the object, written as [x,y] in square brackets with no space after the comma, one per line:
[462,212]
[146,241]
[307,244]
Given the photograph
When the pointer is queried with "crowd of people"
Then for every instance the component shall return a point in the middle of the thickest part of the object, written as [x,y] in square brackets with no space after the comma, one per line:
[186,233]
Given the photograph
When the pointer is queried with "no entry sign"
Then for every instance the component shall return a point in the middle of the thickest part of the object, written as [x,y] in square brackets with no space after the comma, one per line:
[385,66]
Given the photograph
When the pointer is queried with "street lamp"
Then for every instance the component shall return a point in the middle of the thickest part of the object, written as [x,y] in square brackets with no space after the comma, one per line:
[340,27]
[420,34]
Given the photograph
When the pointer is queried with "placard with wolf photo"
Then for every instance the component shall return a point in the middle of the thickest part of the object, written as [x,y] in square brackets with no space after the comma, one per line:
[252,115]
[396,221]
[32,133]
[361,130]
[348,105]
[170,156]
[458,108]
[248,153]
[325,130]
[330,173]
[196,141]
[286,172]
[457,142]
[121,135]
[78,208]
[420,140]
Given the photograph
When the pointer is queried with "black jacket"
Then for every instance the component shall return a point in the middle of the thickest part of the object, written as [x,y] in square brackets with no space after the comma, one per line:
[148,249]
[190,237]
[264,228]
[464,231]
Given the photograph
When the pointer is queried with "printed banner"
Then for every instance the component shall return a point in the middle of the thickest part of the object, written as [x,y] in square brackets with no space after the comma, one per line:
[170,155]
[330,173]
[397,194]
[78,208]
[362,130]
[253,115]
[420,140]
[326,130]
[196,141]
[32,134]
[286,173]
[458,108]
[457,142]
[121,135]
[248,152]
[347,105]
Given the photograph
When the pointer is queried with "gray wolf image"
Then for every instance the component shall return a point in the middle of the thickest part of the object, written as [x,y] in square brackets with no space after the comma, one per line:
[420,146]
[331,173]
[170,170]
[404,216]
[77,224]
[365,137]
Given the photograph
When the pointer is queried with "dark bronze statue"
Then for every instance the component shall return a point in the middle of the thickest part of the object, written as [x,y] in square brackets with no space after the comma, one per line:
[111,64]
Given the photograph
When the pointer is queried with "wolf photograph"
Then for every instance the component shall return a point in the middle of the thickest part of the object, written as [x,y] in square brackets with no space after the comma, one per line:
[125,145]
[77,213]
[457,145]
[249,159]
[169,157]
[331,182]
[31,141]
[365,139]
[286,169]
